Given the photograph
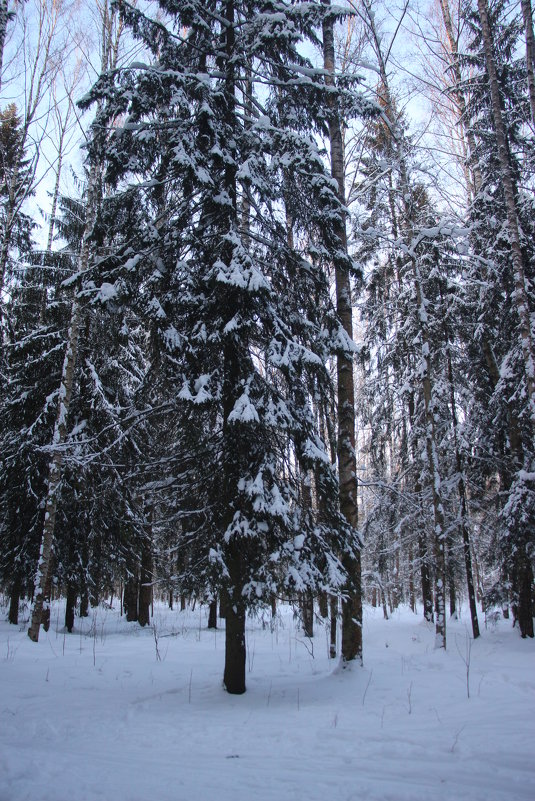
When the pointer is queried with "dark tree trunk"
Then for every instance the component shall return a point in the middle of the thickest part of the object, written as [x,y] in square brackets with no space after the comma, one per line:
[182,603]
[94,595]
[212,614]
[412,593]
[234,676]
[273,606]
[145,584]
[451,583]
[307,611]
[323,603]
[46,599]
[524,611]
[14,598]
[84,601]
[334,618]
[427,594]
[130,598]
[70,606]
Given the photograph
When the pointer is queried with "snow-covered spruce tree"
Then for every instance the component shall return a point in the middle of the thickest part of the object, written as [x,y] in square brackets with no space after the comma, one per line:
[222,122]
[28,367]
[502,271]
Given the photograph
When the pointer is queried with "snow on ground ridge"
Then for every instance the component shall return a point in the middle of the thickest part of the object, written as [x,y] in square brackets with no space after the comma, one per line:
[114,711]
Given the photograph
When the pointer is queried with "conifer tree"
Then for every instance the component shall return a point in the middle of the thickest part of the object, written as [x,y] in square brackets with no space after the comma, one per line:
[242,319]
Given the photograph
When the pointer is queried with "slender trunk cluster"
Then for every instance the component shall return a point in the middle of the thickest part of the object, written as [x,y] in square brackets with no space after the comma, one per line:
[61,428]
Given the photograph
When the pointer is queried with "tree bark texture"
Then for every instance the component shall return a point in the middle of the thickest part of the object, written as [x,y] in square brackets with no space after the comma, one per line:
[70,607]
[212,614]
[14,599]
[145,583]
[234,675]
[307,613]
[234,448]
[347,467]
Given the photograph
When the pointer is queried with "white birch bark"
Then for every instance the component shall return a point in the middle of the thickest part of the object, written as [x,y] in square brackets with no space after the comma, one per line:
[109,57]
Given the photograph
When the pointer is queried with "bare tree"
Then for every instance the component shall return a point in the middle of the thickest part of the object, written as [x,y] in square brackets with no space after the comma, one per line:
[43,39]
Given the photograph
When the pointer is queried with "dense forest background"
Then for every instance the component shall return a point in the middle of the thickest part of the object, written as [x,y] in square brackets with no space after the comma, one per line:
[266,275]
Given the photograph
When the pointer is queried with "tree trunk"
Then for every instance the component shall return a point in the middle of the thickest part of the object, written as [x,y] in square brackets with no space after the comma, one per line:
[145,583]
[70,606]
[464,519]
[212,614]
[412,593]
[131,597]
[60,428]
[383,603]
[323,605]
[451,583]
[84,601]
[459,97]
[427,594]
[524,610]
[273,606]
[14,599]
[234,675]
[347,467]
[333,626]
[307,613]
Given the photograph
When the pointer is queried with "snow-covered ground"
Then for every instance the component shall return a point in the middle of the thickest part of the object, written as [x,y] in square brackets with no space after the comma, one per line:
[114,712]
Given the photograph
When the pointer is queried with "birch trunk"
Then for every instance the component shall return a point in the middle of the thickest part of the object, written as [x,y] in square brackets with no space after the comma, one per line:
[60,429]
[459,97]
[347,468]
[55,469]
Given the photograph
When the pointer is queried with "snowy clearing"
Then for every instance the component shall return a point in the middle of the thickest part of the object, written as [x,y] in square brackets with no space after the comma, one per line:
[114,711]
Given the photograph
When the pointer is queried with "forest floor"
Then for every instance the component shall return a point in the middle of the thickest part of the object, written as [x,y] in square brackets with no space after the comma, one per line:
[114,712]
